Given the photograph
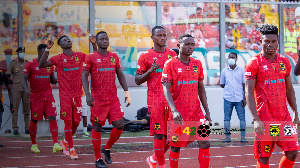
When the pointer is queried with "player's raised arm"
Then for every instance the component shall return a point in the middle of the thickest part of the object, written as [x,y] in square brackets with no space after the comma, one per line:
[203,100]
[93,39]
[123,83]
[141,78]
[43,61]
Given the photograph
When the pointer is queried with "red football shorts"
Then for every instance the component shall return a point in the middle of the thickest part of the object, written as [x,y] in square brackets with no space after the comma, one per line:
[43,108]
[284,135]
[100,112]
[158,119]
[70,109]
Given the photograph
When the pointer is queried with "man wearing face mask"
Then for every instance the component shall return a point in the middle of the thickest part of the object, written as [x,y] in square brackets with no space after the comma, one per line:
[15,69]
[233,82]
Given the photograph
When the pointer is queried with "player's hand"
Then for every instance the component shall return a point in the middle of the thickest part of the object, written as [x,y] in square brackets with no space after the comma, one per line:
[259,127]
[154,65]
[127,97]
[90,100]
[296,122]
[28,94]
[207,118]
[92,39]
[12,109]
[177,117]
[50,44]
[244,102]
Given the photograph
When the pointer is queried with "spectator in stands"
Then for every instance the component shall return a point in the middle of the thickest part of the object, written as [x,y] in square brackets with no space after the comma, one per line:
[227,11]
[168,20]
[198,14]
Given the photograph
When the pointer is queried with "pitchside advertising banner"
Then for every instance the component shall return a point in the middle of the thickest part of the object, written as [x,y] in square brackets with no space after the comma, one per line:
[200,130]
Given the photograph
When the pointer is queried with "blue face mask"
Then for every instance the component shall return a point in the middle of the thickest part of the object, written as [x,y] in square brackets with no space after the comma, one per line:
[22,55]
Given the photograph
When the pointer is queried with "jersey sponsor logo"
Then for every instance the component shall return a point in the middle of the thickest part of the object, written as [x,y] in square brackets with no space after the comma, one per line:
[37,68]
[48,68]
[270,81]
[274,130]
[41,77]
[112,60]
[159,70]
[105,69]
[76,59]
[170,56]
[195,68]
[98,60]
[157,126]
[34,114]
[174,138]
[64,114]
[179,70]
[267,148]
[183,82]
[71,69]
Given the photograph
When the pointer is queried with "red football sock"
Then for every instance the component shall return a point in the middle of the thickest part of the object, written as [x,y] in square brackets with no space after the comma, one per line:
[96,140]
[261,165]
[174,158]
[74,127]
[286,163]
[204,158]
[54,130]
[159,146]
[114,136]
[68,133]
[32,131]
[166,145]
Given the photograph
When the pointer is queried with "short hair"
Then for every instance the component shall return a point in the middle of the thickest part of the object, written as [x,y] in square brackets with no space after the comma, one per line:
[61,38]
[41,46]
[180,38]
[101,32]
[157,27]
[233,53]
[198,8]
[268,29]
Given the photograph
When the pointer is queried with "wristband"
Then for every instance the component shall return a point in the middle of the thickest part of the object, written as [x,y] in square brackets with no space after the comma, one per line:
[46,49]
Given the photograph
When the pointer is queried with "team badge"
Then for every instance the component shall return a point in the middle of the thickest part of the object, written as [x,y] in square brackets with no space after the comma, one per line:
[35,114]
[288,130]
[274,130]
[76,59]
[282,66]
[113,60]
[64,114]
[96,119]
[195,68]
[170,56]
[157,126]
[48,68]
[174,138]
[267,148]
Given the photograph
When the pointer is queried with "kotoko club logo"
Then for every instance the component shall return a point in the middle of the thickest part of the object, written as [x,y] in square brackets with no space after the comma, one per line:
[274,130]
[35,114]
[113,60]
[63,114]
[157,126]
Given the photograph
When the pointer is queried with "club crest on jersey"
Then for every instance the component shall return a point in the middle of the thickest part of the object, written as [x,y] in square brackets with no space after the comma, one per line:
[274,130]
[282,66]
[76,59]
[48,68]
[96,119]
[64,114]
[170,56]
[35,114]
[157,126]
[267,148]
[195,68]
[174,138]
[113,60]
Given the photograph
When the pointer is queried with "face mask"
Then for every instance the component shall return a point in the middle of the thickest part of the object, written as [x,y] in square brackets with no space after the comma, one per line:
[22,55]
[231,61]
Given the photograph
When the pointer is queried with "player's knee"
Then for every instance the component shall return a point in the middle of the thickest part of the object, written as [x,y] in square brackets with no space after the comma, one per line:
[97,127]
[204,144]
[291,155]
[51,118]
[175,149]
[159,136]
[264,160]
[35,121]
[119,126]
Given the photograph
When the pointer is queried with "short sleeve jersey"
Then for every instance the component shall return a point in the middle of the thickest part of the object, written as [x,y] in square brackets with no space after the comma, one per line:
[39,79]
[69,73]
[103,75]
[270,88]
[184,81]
[155,94]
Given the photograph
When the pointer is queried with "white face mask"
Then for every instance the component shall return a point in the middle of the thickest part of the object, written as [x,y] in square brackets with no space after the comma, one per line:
[22,55]
[231,61]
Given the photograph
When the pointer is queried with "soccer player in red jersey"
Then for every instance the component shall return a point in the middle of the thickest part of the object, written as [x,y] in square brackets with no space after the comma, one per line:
[69,73]
[268,87]
[103,99]
[42,102]
[149,69]
[183,87]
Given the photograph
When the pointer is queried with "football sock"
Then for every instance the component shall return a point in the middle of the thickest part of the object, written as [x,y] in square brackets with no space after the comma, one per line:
[159,151]
[32,131]
[204,158]
[286,163]
[174,158]
[114,136]
[68,133]
[54,130]
[96,140]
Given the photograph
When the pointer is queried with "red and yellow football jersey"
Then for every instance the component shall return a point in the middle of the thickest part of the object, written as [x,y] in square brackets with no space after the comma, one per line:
[155,94]
[270,88]
[184,81]
[103,75]
[69,73]
[39,79]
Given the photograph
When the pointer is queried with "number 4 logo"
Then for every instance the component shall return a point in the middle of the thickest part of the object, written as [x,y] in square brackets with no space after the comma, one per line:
[79,109]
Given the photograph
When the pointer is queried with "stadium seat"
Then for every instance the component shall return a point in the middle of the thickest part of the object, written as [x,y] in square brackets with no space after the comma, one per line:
[112,30]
